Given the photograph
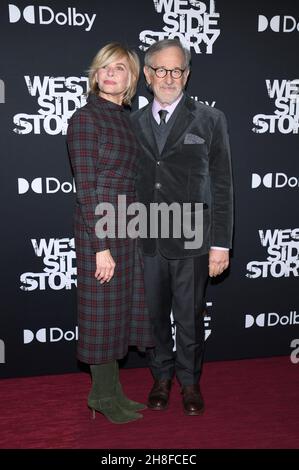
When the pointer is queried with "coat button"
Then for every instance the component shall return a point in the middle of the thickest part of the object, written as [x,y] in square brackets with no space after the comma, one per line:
[158,185]
[158,163]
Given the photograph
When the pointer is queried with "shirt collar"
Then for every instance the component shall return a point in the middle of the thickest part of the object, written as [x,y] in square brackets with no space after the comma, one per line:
[170,108]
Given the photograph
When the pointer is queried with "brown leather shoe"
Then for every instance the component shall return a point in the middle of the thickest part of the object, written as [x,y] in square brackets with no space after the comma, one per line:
[159,395]
[192,400]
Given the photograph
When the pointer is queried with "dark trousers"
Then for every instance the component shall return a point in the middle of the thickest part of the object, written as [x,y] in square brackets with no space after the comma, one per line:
[177,285]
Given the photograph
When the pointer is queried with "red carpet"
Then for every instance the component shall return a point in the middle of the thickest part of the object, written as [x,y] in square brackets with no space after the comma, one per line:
[250,404]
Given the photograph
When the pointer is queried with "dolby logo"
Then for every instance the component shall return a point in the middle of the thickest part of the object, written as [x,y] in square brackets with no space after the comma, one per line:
[274,180]
[49,335]
[271,319]
[49,185]
[278,24]
[45,15]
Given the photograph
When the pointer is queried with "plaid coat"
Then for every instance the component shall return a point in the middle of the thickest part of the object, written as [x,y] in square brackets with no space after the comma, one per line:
[103,152]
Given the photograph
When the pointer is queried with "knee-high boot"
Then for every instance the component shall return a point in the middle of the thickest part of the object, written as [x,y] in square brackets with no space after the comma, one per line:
[102,397]
[124,401]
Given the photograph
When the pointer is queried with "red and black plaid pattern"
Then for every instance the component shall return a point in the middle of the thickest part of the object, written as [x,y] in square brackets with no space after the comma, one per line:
[103,152]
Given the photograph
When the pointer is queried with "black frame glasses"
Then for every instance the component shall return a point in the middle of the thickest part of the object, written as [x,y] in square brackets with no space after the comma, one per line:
[161,72]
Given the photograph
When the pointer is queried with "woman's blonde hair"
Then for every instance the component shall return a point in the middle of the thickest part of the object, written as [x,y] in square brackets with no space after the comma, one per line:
[110,53]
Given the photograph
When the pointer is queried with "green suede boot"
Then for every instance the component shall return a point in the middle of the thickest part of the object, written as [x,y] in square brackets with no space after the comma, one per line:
[102,397]
[124,401]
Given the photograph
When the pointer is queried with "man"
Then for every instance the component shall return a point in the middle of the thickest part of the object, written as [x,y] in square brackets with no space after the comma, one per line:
[185,159]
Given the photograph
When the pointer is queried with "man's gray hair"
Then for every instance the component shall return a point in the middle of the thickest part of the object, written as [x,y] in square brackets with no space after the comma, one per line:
[164,44]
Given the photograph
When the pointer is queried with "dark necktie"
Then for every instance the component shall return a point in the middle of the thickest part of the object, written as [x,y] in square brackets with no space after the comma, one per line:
[162,113]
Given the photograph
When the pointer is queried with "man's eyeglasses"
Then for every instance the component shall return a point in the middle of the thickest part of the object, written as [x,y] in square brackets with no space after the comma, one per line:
[161,72]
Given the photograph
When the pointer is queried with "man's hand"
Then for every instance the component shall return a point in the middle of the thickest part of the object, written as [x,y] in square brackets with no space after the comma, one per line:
[105,266]
[218,261]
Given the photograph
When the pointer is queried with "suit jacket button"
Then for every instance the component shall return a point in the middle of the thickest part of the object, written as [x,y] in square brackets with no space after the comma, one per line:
[158,162]
[158,185]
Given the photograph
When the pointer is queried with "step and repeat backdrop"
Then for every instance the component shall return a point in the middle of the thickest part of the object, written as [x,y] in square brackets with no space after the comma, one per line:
[244,62]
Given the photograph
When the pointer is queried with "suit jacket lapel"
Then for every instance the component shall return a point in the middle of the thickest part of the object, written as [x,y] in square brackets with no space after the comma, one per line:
[182,122]
[146,133]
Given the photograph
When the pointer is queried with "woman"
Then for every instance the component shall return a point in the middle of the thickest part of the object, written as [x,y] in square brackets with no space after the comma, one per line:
[111,308]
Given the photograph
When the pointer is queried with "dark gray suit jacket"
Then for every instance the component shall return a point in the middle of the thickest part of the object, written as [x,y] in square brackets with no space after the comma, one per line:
[194,166]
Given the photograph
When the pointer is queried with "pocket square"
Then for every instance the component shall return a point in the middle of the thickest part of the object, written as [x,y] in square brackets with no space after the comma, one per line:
[193,139]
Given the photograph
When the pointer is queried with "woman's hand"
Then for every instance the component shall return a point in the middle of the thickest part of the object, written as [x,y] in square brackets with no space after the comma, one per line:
[105,266]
